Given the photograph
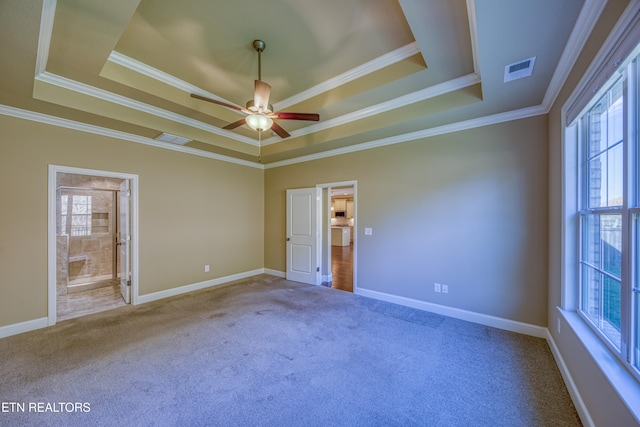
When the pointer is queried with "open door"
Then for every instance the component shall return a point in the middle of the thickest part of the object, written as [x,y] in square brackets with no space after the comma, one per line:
[124,241]
[303,235]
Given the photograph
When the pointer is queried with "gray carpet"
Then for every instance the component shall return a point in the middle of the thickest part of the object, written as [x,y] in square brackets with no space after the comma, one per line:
[268,352]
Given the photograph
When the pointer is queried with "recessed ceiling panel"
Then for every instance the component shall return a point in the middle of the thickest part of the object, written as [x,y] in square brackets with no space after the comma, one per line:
[209,43]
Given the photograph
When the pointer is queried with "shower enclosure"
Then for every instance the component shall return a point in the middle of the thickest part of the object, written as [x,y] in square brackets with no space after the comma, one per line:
[86,219]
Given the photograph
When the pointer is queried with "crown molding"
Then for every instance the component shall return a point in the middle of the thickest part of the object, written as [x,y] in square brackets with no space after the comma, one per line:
[111,97]
[401,101]
[18,113]
[362,70]
[149,71]
[473,33]
[397,139]
[585,23]
[421,134]
[44,38]
[605,49]
[376,64]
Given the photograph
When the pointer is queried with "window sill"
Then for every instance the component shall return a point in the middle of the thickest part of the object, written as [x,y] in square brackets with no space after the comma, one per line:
[622,381]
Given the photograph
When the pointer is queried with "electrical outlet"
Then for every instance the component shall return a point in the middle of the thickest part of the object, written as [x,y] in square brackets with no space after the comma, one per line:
[445,289]
[558,325]
[437,287]
[206,268]
[368,231]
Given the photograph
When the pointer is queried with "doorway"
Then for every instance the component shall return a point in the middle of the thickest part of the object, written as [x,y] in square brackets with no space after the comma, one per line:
[340,236]
[86,268]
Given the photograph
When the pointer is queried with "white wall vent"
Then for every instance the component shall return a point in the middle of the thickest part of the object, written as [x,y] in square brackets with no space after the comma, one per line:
[173,139]
[519,69]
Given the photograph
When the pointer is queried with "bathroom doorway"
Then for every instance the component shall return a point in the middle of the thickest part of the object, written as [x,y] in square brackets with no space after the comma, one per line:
[88,266]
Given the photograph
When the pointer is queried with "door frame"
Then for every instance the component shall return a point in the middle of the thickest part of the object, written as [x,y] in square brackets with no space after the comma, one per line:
[326,227]
[51,231]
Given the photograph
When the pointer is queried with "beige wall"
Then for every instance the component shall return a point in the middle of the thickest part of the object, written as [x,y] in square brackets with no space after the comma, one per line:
[604,404]
[193,211]
[467,209]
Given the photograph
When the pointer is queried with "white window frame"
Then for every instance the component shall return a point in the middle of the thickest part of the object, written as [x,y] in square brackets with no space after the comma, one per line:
[630,114]
[609,358]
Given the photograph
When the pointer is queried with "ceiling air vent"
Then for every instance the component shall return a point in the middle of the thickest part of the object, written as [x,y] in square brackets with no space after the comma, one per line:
[173,139]
[519,69]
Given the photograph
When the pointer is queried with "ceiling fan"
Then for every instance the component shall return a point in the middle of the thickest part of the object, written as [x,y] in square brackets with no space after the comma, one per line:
[260,114]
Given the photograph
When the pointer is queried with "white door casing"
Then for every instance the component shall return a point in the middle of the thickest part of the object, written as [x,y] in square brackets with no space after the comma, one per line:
[52,226]
[124,241]
[303,235]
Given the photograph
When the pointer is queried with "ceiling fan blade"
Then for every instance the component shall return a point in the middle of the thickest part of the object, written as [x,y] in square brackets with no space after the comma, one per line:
[298,116]
[224,104]
[278,129]
[261,95]
[235,124]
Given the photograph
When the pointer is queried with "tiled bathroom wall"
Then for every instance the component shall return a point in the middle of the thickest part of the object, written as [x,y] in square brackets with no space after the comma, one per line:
[86,258]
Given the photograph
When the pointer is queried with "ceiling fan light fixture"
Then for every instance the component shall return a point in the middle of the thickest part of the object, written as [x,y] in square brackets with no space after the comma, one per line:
[260,114]
[259,122]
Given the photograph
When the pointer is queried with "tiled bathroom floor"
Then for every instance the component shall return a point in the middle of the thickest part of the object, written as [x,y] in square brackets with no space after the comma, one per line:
[88,302]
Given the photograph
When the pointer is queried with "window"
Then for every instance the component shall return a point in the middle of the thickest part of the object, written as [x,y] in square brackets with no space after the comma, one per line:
[609,218]
[80,218]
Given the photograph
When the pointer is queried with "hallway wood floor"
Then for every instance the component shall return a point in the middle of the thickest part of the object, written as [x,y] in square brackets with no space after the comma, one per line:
[342,267]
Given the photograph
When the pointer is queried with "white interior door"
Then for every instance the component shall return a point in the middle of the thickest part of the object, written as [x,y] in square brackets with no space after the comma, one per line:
[124,241]
[303,235]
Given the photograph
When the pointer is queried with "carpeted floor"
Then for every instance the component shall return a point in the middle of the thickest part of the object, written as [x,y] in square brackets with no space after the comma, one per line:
[268,352]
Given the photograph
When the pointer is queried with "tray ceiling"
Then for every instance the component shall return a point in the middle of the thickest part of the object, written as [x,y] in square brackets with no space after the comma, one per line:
[377,72]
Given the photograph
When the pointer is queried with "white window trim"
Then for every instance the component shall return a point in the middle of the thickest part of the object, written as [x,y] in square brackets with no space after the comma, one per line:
[616,371]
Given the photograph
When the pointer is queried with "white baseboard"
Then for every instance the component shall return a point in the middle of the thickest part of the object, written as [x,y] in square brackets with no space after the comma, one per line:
[19,328]
[197,286]
[583,412]
[482,319]
[275,273]
[30,325]
[470,316]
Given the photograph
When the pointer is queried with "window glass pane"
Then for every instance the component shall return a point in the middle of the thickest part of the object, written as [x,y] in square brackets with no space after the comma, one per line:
[63,204]
[591,241]
[611,244]
[602,242]
[614,115]
[635,358]
[591,291]
[604,149]
[611,306]
[598,181]
[79,205]
[601,296]
[81,215]
[601,272]
[62,226]
[614,176]
[597,133]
